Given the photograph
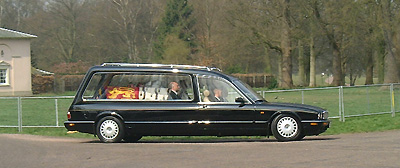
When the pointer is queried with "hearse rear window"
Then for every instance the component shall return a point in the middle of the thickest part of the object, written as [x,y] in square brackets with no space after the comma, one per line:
[139,87]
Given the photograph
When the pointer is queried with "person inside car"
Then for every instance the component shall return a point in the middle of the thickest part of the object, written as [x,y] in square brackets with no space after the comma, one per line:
[173,91]
[217,96]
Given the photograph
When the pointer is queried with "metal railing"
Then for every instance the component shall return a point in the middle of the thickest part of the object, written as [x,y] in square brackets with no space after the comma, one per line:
[347,101]
[29,112]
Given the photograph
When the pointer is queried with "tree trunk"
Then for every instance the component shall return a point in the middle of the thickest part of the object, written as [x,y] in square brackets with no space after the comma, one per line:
[369,72]
[388,26]
[337,67]
[391,70]
[352,77]
[312,63]
[280,70]
[287,81]
[267,61]
[302,74]
[380,64]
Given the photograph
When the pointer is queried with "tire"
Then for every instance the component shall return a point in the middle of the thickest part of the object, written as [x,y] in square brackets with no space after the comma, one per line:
[110,129]
[285,127]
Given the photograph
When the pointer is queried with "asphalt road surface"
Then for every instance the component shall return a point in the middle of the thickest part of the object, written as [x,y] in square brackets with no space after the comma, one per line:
[380,149]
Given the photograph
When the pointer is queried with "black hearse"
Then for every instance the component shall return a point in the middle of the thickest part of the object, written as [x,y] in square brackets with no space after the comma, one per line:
[119,101]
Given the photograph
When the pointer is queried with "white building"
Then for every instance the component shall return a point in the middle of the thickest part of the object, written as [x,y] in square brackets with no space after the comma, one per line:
[15,63]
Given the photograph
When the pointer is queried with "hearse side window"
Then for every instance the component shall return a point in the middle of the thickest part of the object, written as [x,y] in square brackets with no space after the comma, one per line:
[139,87]
[215,89]
[93,86]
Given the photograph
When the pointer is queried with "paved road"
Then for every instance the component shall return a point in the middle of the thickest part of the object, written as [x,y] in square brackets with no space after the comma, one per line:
[352,150]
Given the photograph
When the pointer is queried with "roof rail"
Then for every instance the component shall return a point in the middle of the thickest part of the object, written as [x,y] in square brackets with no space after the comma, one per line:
[161,66]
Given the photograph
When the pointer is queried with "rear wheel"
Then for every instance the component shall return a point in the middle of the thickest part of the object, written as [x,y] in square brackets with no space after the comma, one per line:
[285,127]
[110,129]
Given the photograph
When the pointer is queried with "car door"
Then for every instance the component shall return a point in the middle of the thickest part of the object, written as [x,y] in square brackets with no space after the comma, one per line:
[219,112]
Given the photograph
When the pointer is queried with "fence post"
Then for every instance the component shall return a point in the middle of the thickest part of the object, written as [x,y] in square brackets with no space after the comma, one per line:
[19,114]
[56,102]
[392,100]
[368,101]
[302,97]
[341,105]
[343,111]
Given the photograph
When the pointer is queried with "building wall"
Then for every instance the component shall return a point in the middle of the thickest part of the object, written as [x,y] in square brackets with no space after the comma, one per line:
[16,53]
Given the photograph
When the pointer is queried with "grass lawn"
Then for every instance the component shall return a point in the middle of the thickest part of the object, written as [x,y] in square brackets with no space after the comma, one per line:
[35,112]
[357,100]
[373,123]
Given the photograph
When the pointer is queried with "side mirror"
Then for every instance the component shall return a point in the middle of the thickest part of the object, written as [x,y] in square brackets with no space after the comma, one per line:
[240,100]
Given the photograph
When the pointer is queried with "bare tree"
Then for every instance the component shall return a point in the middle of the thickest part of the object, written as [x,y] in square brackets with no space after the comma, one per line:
[287,81]
[270,22]
[127,22]
[333,35]
[154,16]
[13,12]
[65,13]
[388,9]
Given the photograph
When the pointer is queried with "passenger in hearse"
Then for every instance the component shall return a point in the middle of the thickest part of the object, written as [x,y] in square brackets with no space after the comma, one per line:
[206,95]
[217,96]
[173,88]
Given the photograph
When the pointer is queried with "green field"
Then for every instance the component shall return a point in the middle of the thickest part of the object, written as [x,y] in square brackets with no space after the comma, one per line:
[357,101]
[35,112]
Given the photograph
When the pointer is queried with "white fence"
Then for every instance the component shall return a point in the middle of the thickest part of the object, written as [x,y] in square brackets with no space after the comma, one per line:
[342,102]
[25,112]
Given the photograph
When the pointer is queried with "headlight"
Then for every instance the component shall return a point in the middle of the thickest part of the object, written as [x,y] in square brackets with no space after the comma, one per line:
[323,115]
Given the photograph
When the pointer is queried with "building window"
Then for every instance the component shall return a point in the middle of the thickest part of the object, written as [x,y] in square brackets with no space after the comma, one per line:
[3,77]
[4,73]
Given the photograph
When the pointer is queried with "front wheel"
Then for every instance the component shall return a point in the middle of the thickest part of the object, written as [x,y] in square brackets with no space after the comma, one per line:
[110,129]
[285,127]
